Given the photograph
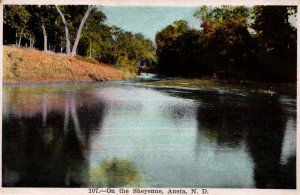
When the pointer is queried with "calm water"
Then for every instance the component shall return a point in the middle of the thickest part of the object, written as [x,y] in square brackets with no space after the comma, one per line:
[117,134]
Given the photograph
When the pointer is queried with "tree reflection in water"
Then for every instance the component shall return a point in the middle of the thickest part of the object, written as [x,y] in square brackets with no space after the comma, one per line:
[48,146]
[47,139]
[257,120]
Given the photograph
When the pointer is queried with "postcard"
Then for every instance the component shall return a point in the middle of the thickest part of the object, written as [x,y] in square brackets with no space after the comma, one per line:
[149,97]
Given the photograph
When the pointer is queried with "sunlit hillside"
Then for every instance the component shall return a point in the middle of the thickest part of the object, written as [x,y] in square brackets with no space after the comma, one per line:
[27,65]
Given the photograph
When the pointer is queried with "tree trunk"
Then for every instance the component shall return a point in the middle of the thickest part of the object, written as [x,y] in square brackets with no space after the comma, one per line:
[33,42]
[16,39]
[20,39]
[45,37]
[68,47]
[86,15]
[90,49]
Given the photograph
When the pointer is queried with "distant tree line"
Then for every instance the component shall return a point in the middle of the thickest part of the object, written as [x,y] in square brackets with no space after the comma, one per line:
[74,30]
[240,43]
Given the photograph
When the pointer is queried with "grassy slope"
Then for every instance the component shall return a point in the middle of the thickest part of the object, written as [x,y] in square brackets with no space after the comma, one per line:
[25,65]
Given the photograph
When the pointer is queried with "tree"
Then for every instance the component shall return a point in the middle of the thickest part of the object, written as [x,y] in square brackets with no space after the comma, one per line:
[44,14]
[180,50]
[181,26]
[84,27]
[68,45]
[170,33]
[223,48]
[89,9]
[42,21]
[272,24]
[214,16]
[78,34]
[95,36]
[17,18]
[130,49]
[230,47]
[277,41]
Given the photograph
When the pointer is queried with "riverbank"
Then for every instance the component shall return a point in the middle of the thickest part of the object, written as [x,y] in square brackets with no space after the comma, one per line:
[28,65]
[212,84]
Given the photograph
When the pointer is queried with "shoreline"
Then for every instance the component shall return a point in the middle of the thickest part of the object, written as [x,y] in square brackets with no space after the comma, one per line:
[22,65]
[57,82]
[160,80]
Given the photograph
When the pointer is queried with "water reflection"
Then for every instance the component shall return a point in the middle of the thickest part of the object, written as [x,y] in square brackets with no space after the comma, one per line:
[114,136]
[255,119]
[115,173]
[49,144]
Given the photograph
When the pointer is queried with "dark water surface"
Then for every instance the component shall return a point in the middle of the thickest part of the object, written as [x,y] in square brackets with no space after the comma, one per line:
[117,134]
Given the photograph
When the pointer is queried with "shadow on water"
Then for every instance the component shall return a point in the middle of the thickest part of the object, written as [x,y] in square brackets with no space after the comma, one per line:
[48,146]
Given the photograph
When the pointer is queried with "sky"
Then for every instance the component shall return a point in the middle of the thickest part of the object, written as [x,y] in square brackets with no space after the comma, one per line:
[149,20]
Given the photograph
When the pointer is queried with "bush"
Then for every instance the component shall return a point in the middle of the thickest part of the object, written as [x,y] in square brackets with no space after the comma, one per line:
[87,59]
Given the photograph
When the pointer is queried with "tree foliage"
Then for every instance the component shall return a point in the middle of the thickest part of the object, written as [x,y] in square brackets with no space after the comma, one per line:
[17,17]
[224,48]
[215,16]
[178,50]
[234,42]
[127,49]
[277,41]
[44,27]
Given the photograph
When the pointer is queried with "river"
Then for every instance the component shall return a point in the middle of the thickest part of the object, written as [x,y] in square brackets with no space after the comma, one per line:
[114,134]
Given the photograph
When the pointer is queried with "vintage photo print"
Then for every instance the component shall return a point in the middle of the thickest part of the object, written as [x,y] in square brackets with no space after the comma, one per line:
[149,97]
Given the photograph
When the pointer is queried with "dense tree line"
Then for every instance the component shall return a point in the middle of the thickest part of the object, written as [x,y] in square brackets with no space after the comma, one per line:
[240,43]
[74,30]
